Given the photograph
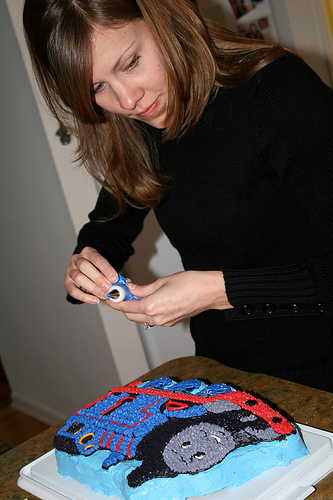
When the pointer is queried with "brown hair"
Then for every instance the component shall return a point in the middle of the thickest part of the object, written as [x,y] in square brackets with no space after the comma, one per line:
[199,56]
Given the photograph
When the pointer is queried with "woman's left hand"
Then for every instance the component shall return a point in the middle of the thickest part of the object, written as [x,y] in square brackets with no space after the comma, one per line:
[174,298]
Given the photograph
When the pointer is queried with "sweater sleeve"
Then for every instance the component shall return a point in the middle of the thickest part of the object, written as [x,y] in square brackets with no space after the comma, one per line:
[294,124]
[112,238]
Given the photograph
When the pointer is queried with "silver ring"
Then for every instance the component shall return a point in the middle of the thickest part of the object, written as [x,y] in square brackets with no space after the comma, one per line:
[147,326]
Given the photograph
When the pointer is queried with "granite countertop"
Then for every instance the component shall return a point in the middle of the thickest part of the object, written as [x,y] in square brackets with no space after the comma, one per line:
[298,403]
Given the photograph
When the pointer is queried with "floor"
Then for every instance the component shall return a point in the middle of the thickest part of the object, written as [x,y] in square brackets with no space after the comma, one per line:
[15,427]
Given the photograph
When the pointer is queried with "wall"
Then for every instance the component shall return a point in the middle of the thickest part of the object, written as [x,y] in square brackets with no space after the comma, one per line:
[56,356]
[301,25]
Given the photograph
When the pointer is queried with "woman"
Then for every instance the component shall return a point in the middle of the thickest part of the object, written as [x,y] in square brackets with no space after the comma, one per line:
[229,141]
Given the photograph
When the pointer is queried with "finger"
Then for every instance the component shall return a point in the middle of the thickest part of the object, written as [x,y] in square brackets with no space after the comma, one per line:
[142,290]
[80,294]
[100,263]
[89,286]
[87,271]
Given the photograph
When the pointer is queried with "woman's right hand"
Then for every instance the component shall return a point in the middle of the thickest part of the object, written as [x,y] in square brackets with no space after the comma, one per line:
[84,279]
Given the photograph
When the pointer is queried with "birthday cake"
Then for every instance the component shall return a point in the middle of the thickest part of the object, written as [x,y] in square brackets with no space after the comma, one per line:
[168,440]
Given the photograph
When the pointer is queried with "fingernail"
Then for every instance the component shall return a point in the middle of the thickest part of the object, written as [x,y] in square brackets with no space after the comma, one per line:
[95,300]
[106,286]
[104,295]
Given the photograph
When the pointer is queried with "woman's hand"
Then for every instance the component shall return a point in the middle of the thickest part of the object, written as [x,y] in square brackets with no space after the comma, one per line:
[174,298]
[84,279]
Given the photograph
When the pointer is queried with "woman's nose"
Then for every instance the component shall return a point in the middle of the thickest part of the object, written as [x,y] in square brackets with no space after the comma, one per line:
[129,96]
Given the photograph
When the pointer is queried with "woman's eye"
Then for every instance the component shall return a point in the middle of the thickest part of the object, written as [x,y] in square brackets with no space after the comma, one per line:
[134,62]
[98,88]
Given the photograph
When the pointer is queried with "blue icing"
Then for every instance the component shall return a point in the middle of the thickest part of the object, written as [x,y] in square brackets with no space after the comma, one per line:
[235,469]
[165,383]
[192,386]
[195,411]
[214,389]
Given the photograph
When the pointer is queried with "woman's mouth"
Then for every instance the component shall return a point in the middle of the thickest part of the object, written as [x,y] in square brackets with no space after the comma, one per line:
[151,110]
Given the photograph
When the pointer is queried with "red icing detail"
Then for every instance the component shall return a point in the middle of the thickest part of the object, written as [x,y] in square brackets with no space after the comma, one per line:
[148,414]
[108,444]
[238,397]
[261,410]
[176,405]
[119,443]
[102,439]
[126,399]
[129,448]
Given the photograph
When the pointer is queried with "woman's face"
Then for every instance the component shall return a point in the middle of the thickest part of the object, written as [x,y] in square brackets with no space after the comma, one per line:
[128,74]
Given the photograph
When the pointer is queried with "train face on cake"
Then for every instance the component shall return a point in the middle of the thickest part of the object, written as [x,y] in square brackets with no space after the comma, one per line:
[172,428]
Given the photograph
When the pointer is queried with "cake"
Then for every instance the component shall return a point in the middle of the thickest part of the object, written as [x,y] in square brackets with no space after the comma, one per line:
[168,440]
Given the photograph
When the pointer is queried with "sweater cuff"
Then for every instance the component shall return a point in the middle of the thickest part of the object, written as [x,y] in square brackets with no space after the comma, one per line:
[284,291]
[71,299]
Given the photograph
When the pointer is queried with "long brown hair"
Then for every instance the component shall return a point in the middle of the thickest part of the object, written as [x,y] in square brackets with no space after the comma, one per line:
[199,56]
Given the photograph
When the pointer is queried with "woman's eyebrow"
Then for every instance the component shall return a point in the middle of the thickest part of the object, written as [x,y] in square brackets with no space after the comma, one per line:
[118,62]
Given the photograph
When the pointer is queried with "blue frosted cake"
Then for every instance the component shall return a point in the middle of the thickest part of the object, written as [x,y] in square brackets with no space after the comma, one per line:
[167,440]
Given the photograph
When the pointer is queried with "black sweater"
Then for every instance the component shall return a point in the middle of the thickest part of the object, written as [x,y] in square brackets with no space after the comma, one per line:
[252,196]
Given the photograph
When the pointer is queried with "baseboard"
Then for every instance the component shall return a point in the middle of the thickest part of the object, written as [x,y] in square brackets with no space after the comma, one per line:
[35,409]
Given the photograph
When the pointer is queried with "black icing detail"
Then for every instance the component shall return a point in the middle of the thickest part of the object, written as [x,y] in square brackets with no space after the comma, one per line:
[251,402]
[86,438]
[276,420]
[75,427]
[224,431]
[66,444]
